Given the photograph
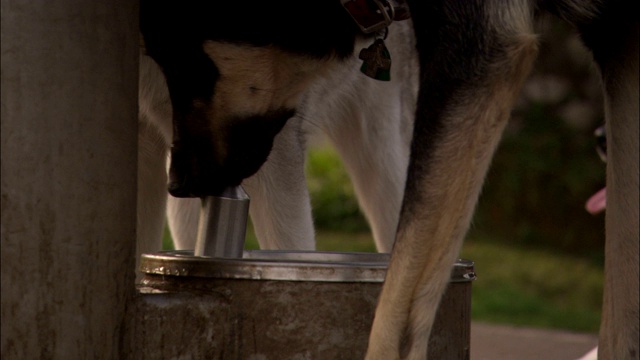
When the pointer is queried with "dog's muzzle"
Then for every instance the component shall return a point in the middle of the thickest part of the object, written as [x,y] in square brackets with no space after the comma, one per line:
[204,164]
[193,171]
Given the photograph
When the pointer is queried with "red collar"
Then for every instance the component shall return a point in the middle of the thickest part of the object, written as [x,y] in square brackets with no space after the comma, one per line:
[374,15]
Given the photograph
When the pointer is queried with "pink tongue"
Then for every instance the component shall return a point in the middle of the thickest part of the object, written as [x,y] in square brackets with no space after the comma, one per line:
[597,202]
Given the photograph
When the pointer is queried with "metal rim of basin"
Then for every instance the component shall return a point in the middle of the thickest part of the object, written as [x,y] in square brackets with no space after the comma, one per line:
[322,266]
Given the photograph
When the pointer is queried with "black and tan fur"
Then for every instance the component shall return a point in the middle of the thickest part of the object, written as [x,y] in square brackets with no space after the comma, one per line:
[474,56]
[329,95]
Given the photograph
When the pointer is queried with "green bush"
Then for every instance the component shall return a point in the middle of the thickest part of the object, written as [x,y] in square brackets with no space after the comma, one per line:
[540,179]
[332,197]
[534,287]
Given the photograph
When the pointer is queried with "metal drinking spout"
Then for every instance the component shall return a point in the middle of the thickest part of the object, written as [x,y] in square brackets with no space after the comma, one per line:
[223,224]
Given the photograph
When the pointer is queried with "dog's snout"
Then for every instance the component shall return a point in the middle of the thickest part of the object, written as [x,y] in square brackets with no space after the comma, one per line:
[194,172]
[180,172]
[204,164]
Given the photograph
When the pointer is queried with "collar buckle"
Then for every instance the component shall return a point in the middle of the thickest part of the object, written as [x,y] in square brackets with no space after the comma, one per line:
[375,15]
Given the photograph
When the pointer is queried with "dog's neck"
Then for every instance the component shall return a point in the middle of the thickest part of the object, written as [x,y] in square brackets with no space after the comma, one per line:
[317,28]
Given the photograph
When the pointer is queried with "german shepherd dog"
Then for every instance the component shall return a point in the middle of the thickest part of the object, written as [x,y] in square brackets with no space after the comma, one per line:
[218,59]
[368,121]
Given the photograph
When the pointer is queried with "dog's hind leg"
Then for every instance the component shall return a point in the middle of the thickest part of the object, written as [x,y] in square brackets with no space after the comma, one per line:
[375,150]
[369,122]
[617,56]
[474,57]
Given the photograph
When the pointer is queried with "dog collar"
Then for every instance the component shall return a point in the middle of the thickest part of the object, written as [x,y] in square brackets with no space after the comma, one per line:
[375,15]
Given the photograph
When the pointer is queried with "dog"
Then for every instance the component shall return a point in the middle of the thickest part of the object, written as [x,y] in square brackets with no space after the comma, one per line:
[473,58]
[369,122]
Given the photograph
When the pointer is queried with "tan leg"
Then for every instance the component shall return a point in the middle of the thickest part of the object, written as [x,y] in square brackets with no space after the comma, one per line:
[462,114]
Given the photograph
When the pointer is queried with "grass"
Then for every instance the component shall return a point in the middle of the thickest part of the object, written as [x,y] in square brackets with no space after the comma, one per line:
[525,287]
[534,288]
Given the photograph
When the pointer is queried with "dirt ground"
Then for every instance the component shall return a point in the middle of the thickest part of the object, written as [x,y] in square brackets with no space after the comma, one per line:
[504,342]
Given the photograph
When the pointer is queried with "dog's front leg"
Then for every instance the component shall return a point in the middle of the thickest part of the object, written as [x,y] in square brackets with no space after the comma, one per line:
[474,57]
[280,207]
[152,190]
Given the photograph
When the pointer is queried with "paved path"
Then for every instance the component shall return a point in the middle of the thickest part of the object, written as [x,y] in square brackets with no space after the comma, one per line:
[504,342]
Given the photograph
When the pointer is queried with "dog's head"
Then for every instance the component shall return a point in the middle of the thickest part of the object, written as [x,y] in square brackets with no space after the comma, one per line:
[236,72]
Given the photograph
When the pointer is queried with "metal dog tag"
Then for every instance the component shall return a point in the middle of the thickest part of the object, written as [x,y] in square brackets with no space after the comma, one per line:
[377,61]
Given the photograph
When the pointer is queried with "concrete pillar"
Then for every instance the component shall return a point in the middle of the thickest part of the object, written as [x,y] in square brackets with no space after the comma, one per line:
[69,133]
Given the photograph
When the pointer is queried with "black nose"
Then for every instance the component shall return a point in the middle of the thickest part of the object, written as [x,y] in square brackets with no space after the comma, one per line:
[197,170]
[194,171]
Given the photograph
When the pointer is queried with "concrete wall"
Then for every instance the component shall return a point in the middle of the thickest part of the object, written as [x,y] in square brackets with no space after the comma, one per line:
[69,132]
